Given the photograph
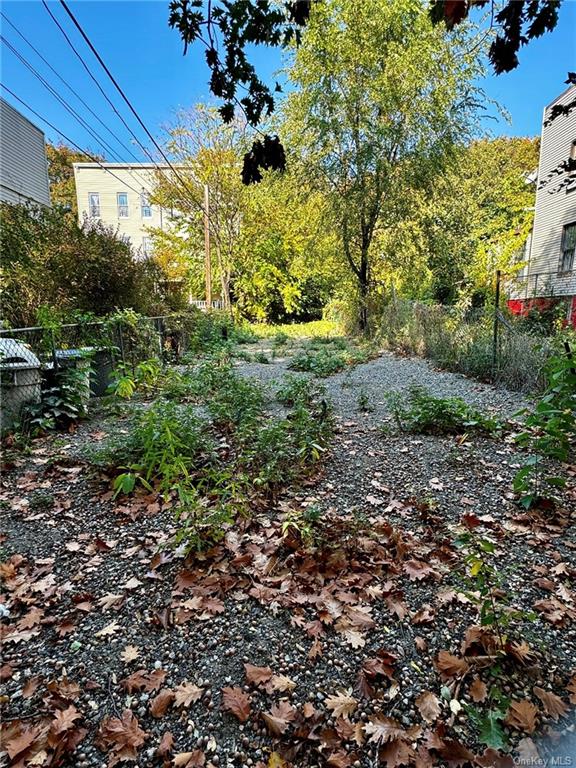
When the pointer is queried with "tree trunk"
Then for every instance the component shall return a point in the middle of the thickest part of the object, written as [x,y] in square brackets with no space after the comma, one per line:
[363,290]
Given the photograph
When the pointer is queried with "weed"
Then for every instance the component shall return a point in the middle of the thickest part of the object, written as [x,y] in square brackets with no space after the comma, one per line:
[299,389]
[551,429]
[62,404]
[40,501]
[419,411]
[261,357]
[363,402]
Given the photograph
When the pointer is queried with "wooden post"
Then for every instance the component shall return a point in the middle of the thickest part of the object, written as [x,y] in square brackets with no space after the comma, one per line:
[207,261]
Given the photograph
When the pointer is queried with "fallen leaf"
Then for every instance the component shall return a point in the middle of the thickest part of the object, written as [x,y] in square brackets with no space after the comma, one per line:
[553,704]
[186,694]
[195,759]
[257,675]
[279,717]
[342,704]
[428,706]
[130,653]
[236,701]
[383,729]
[522,715]
[478,690]
[160,703]
[109,629]
[450,665]
[166,744]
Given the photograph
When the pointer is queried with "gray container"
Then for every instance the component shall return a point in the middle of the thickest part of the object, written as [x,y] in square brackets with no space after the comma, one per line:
[20,380]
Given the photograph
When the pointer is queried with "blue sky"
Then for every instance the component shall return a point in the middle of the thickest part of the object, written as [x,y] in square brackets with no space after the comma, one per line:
[145,56]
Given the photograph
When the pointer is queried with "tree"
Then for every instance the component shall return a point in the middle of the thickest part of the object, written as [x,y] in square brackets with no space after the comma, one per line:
[481,214]
[381,99]
[51,263]
[209,154]
[232,25]
[61,175]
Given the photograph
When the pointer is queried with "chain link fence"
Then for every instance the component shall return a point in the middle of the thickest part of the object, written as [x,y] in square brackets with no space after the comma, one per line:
[31,358]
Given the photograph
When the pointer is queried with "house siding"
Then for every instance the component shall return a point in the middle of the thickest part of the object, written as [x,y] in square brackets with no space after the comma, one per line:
[555,206]
[110,179]
[23,164]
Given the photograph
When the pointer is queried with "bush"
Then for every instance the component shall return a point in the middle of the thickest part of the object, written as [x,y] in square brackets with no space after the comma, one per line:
[420,412]
[326,356]
[461,340]
[50,261]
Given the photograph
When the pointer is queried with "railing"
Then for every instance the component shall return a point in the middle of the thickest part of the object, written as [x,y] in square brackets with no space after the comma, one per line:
[202,304]
[541,285]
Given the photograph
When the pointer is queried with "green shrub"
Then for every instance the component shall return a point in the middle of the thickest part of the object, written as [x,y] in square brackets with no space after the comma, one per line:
[299,390]
[62,403]
[420,412]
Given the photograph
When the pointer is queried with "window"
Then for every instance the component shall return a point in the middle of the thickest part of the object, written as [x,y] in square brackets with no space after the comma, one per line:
[122,198]
[146,247]
[94,205]
[145,206]
[568,248]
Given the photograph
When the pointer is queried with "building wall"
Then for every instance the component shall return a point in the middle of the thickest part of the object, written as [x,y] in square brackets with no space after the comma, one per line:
[555,203]
[23,164]
[131,180]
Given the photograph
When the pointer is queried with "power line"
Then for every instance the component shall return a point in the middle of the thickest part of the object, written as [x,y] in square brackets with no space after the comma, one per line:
[67,138]
[104,94]
[67,106]
[70,88]
[121,92]
[57,96]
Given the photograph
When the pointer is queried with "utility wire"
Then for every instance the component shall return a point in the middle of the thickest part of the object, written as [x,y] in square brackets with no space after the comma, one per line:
[121,92]
[95,135]
[67,138]
[105,95]
[70,88]
[70,109]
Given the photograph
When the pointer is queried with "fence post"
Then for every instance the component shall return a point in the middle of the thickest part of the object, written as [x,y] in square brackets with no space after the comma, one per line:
[495,329]
[53,346]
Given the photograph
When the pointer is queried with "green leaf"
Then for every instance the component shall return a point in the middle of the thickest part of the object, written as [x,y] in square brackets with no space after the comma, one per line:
[491,731]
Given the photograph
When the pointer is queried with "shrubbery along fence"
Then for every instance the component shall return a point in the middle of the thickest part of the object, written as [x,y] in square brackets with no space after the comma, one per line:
[31,358]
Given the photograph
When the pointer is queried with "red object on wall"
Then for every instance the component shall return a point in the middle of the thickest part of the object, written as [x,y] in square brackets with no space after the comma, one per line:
[523,306]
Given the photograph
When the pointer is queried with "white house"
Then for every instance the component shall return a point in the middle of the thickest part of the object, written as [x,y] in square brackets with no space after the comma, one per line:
[23,163]
[118,195]
[550,255]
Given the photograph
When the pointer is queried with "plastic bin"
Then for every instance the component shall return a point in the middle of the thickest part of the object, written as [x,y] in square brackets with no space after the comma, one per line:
[20,380]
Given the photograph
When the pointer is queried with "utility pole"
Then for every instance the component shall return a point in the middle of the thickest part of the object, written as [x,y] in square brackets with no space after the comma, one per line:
[207,261]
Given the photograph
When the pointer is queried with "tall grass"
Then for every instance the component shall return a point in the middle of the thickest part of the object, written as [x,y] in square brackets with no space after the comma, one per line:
[298,330]
[461,340]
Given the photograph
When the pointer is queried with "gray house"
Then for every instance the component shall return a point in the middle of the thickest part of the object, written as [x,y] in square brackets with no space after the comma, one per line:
[550,255]
[23,164]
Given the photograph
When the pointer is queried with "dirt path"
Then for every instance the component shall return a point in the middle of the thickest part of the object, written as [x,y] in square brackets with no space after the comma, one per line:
[117,645]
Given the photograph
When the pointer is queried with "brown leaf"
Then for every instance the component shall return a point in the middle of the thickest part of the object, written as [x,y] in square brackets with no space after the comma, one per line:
[160,703]
[491,758]
[30,686]
[21,742]
[64,719]
[142,680]
[166,744]
[478,690]
[342,704]
[522,715]
[449,665]
[383,729]
[195,759]
[257,675]
[428,706]
[186,694]
[236,701]
[130,653]
[278,718]
[553,704]
[121,735]
[418,570]
[396,753]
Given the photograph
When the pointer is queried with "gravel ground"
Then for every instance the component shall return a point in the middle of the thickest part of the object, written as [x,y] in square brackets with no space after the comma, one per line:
[87,579]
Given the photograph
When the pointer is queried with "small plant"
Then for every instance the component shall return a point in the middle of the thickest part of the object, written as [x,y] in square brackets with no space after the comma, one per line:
[363,402]
[551,429]
[146,376]
[61,405]
[419,411]
[261,357]
[41,501]
[299,389]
